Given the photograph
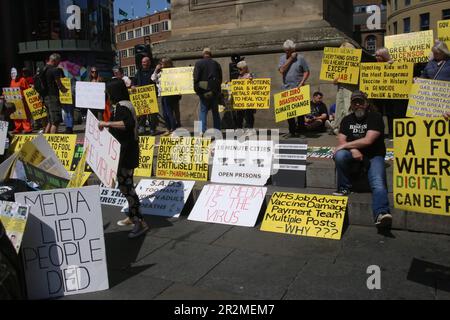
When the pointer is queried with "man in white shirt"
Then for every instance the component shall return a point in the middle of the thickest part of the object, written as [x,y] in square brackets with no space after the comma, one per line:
[118,74]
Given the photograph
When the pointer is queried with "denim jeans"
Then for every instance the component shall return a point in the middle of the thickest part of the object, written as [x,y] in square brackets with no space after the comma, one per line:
[377,179]
[68,115]
[205,106]
[169,116]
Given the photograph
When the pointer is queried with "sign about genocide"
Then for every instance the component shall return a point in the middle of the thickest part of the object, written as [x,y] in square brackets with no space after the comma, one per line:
[231,205]
[184,158]
[63,247]
[429,99]
[422,165]
[3,136]
[13,95]
[35,104]
[66,97]
[146,147]
[341,64]
[251,93]
[386,81]
[144,100]
[90,95]
[175,81]
[292,103]
[411,47]
[306,215]
[443,30]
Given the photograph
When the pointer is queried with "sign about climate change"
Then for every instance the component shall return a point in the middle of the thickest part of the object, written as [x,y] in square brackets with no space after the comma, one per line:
[144,100]
[292,103]
[341,64]
[410,47]
[306,215]
[251,93]
[63,247]
[429,99]
[422,166]
[175,81]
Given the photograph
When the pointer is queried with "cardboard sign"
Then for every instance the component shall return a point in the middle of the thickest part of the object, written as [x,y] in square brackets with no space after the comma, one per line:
[66,98]
[7,166]
[14,218]
[429,99]
[411,47]
[14,96]
[45,180]
[3,136]
[247,162]
[292,103]
[77,180]
[183,158]
[34,102]
[79,151]
[175,81]
[63,247]
[251,94]
[112,196]
[422,166]
[144,100]
[84,179]
[290,164]
[387,81]
[146,147]
[231,205]
[305,215]
[90,95]
[64,147]
[443,30]
[341,64]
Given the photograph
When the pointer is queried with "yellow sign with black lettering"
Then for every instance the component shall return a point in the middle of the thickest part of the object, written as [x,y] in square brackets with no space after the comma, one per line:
[35,104]
[175,81]
[443,31]
[292,103]
[66,98]
[144,100]
[341,64]
[79,177]
[412,47]
[14,96]
[428,99]
[251,93]
[146,147]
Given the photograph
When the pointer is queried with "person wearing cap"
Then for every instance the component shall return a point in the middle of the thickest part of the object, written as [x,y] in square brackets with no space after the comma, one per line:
[208,86]
[438,68]
[361,145]
[248,114]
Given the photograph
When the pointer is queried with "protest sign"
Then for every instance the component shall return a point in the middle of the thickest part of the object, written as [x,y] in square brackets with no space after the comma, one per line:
[14,96]
[79,151]
[175,81]
[248,162]
[7,166]
[341,64]
[66,98]
[103,151]
[251,93]
[411,47]
[443,31]
[19,140]
[429,99]
[144,100]
[386,81]
[146,147]
[77,180]
[45,180]
[290,164]
[306,215]
[64,147]
[34,102]
[231,205]
[14,218]
[422,166]
[3,136]
[183,158]
[83,179]
[90,95]
[63,247]
[112,196]
[292,103]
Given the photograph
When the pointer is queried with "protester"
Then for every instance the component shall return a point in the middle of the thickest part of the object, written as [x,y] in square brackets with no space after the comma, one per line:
[315,121]
[123,126]
[94,76]
[118,74]
[19,81]
[295,71]
[208,86]
[248,114]
[438,68]
[361,145]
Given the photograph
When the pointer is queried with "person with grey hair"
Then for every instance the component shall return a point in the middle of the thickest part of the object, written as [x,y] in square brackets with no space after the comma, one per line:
[248,114]
[439,67]
[119,74]
[295,71]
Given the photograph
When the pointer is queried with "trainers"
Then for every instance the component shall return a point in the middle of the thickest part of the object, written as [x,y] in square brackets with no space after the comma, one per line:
[125,222]
[140,228]
[342,192]
[384,220]
[328,125]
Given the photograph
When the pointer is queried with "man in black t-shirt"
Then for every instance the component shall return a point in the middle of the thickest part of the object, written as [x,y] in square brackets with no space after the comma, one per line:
[315,121]
[361,141]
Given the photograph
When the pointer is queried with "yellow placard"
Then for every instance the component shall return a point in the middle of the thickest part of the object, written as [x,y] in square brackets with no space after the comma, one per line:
[429,99]
[66,98]
[175,81]
[386,81]
[412,47]
[30,154]
[146,148]
[292,103]
[78,176]
[443,31]
[35,104]
[144,100]
[306,215]
[14,96]
[19,140]
[183,158]
[251,93]
[422,165]
[341,64]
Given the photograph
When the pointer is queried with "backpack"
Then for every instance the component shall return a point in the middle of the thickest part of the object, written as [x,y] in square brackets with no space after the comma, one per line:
[40,83]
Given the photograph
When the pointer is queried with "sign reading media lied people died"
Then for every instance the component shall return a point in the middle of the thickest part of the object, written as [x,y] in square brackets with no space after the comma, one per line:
[412,47]
[292,103]
[429,99]
[341,64]
[251,93]
[305,215]
[422,165]
[63,248]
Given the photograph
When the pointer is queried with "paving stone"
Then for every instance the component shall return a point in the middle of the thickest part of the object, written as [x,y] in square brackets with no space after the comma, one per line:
[179,291]
[427,223]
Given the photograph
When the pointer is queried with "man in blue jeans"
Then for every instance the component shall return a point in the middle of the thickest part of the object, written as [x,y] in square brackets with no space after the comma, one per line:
[361,142]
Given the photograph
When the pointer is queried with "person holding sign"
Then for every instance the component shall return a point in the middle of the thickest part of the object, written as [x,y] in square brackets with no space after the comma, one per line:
[361,144]
[19,81]
[295,71]
[123,126]
[439,67]
[248,114]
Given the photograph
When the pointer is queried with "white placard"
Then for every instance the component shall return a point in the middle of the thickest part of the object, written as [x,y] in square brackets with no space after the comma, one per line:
[63,247]
[90,95]
[3,135]
[112,197]
[231,205]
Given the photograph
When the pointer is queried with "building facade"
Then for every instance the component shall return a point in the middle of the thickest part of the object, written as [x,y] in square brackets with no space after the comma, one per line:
[148,30]
[367,15]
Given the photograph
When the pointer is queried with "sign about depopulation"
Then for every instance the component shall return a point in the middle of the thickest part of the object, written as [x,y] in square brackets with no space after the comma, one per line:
[175,81]
[144,100]
[251,93]
[90,95]
[429,99]
[35,104]
[306,215]
[63,247]
[413,47]
[422,166]
[231,205]
[292,103]
[341,64]
[443,30]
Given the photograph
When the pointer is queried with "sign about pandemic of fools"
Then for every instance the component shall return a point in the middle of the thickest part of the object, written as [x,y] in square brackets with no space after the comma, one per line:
[144,100]
[412,47]
[292,103]
[422,166]
[386,81]
[306,215]
[63,247]
[444,31]
[175,81]
[35,104]
[429,99]
[341,64]
[251,93]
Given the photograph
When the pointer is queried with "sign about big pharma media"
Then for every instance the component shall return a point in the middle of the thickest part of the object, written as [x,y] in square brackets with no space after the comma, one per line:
[422,166]
[411,47]
[63,247]
[305,215]
[429,99]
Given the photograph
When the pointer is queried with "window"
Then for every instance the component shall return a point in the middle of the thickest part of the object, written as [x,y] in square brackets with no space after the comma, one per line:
[371,44]
[407,2]
[395,28]
[125,71]
[130,35]
[146,30]
[165,26]
[395,5]
[131,52]
[407,25]
[132,71]
[124,54]
[138,33]
[446,14]
[122,37]
[155,28]
[424,21]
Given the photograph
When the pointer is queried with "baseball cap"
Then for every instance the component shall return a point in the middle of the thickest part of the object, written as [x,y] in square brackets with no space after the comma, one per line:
[358,95]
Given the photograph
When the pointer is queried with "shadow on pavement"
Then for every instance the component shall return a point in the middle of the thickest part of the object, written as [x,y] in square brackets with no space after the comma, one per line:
[430,274]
